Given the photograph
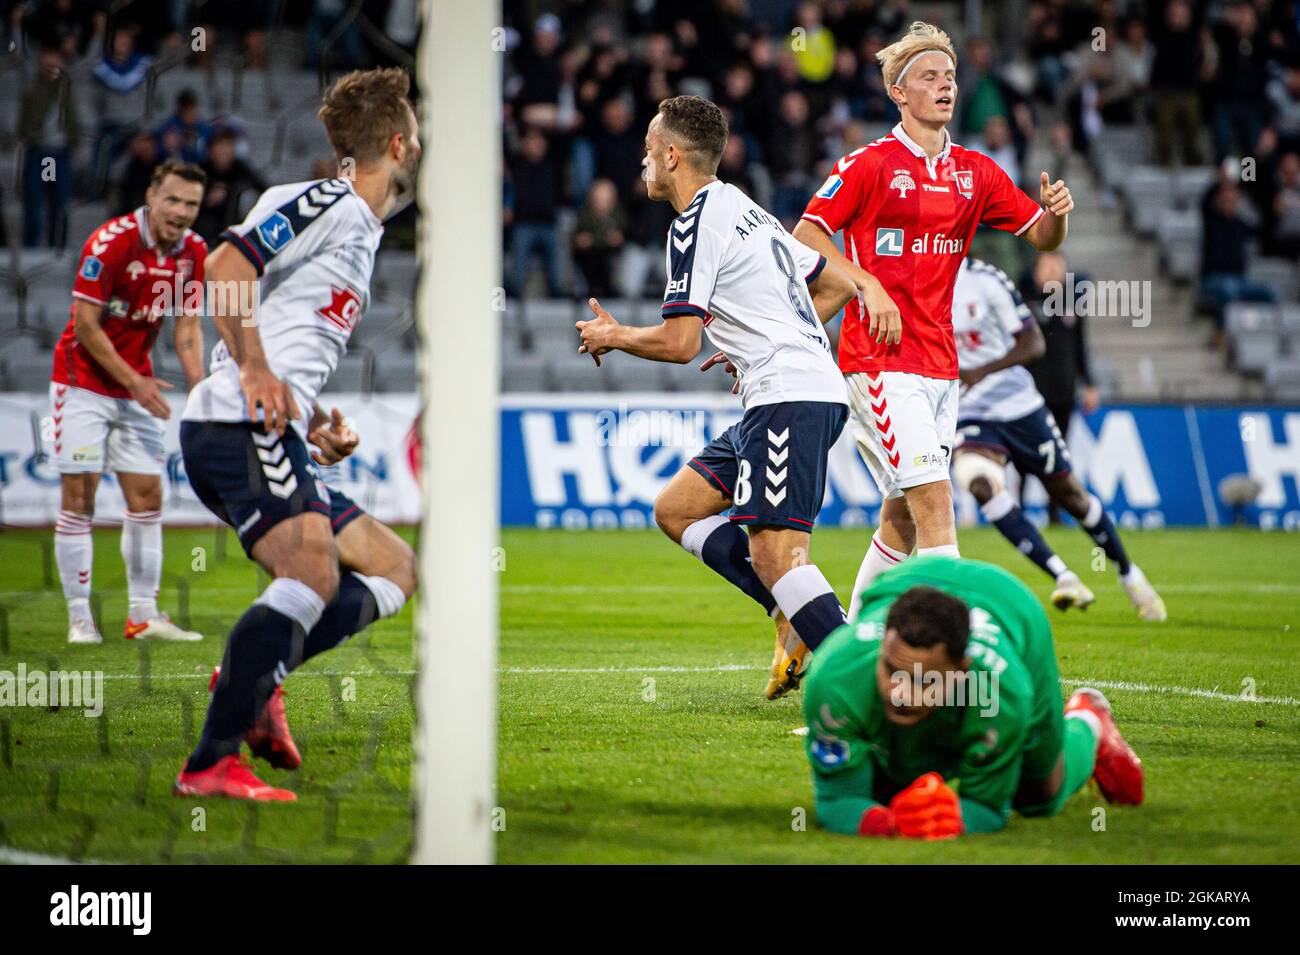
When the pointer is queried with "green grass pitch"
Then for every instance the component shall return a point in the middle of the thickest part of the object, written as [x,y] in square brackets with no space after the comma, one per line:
[632,725]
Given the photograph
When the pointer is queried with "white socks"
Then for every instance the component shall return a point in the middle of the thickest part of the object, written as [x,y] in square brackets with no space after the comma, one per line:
[389,598]
[295,600]
[943,550]
[997,507]
[73,552]
[879,558]
[142,554]
[1095,511]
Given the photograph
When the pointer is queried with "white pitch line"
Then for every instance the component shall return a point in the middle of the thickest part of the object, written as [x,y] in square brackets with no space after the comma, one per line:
[1181,691]
[10,856]
[1121,685]
[721,668]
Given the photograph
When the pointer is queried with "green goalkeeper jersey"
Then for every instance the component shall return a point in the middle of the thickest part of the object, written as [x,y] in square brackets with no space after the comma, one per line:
[1004,722]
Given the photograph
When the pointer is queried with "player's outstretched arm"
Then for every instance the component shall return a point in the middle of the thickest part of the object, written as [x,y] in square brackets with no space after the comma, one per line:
[90,336]
[1049,231]
[831,291]
[231,282]
[886,321]
[676,340]
[188,334]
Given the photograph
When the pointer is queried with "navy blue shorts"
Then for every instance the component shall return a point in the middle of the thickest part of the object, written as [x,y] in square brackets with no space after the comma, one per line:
[772,463]
[343,510]
[253,481]
[1033,444]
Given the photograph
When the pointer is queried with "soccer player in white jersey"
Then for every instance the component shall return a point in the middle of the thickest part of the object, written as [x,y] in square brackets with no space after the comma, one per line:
[1001,416]
[308,250]
[736,274]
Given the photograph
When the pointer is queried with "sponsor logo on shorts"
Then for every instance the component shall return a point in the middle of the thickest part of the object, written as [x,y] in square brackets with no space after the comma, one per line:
[931,459]
[87,453]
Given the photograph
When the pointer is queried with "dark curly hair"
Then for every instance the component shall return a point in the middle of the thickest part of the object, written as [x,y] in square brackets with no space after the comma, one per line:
[698,127]
[925,616]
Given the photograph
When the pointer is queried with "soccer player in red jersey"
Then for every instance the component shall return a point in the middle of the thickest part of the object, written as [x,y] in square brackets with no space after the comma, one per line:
[107,407]
[908,206]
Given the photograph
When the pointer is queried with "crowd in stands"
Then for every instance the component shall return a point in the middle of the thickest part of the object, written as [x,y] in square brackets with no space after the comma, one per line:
[85,126]
[1213,82]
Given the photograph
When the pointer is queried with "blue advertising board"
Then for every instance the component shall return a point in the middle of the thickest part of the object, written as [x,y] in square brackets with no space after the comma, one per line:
[598,460]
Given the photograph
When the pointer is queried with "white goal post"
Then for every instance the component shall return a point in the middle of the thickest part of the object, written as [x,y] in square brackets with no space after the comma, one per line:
[454,766]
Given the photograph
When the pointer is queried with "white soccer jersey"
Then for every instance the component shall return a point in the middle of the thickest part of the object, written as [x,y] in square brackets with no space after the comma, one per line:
[736,267]
[313,245]
[987,315]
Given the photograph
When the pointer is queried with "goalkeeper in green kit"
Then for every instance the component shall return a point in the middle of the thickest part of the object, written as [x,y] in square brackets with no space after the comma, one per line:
[938,710]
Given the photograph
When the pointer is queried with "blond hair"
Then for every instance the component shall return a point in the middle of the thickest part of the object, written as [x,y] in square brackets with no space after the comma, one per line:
[363,110]
[920,38]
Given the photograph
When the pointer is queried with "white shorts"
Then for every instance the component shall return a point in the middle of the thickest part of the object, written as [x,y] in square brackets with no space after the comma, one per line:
[94,433]
[904,425]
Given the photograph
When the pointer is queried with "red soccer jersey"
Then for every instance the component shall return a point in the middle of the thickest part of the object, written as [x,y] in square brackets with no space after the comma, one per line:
[136,284]
[909,222]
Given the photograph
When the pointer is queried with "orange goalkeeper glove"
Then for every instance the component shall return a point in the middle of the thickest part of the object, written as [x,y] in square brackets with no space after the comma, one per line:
[927,809]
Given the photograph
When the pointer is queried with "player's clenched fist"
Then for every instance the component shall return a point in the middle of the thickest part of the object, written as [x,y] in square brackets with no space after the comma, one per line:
[927,809]
[1055,196]
[597,333]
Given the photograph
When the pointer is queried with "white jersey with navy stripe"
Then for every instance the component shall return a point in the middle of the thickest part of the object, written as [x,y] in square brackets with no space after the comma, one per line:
[313,245]
[736,267]
[987,315]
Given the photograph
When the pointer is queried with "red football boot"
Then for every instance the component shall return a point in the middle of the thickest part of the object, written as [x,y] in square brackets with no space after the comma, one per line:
[230,777]
[1118,770]
[270,739]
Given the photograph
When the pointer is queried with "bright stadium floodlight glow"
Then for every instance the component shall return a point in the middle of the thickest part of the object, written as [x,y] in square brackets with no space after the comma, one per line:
[454,768]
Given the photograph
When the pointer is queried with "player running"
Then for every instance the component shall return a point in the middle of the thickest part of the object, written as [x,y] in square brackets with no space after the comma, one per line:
[1002,416]
[762,297]
[938,710]
[308,249]
[908,205]
[107,407]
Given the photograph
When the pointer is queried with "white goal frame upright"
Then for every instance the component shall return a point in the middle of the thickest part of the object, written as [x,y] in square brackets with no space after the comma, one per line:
[454,765]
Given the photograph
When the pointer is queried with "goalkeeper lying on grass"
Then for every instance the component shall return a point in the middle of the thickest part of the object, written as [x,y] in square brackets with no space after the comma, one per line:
[938,710]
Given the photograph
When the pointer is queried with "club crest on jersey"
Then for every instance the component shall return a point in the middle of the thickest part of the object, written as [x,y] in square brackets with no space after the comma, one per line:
[902,181]
[830,187]
[134,269]
[91,267]
[344,307]
[275,231]
[964,179]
